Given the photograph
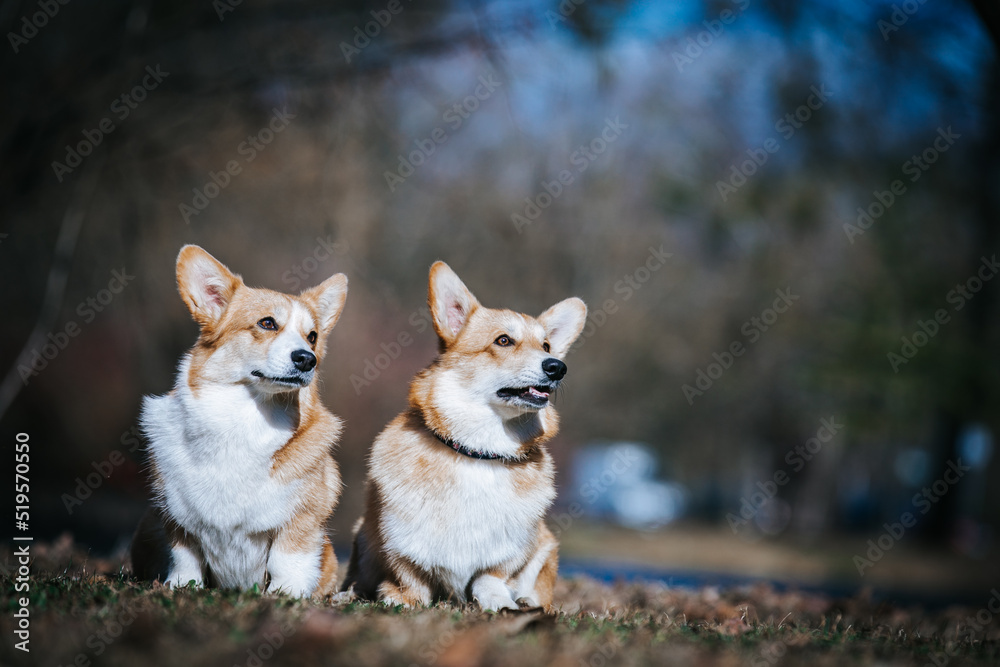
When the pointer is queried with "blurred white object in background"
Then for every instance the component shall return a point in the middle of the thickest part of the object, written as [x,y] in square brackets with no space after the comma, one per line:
[617,482]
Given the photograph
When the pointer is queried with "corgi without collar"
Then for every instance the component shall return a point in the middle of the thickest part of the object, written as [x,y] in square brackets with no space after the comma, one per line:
[240,449]
[459,484]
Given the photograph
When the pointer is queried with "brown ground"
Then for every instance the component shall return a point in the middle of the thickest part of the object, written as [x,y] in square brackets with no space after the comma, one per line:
[87,611]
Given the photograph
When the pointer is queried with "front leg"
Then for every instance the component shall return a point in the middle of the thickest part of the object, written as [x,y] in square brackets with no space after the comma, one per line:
[534,584]
[186,565]
[163,551]
[301,561]
[406,586]
[490,590]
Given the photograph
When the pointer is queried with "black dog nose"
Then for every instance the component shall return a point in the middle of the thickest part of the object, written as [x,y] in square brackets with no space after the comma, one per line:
[304,360]
[554,368]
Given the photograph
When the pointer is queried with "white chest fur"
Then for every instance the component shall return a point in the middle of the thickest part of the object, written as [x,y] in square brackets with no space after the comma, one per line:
[213,454]
[475,520]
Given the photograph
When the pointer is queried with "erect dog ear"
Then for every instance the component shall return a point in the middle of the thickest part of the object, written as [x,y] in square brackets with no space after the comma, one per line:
[328,298]
[205,284]
[563,323]
[450,301]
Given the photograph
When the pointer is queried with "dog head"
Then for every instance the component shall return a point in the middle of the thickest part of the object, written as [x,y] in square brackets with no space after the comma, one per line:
[265,339]
[509,360]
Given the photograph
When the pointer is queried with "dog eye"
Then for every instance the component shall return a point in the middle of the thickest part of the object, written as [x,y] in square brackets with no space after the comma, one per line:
[268,323]
[311,338]
[503,341]
[545,346]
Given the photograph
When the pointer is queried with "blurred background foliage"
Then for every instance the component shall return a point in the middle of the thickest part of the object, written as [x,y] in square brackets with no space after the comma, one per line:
[692,94]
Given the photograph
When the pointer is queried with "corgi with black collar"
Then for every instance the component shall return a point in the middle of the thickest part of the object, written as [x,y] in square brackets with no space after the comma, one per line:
[241,449]
[459,484]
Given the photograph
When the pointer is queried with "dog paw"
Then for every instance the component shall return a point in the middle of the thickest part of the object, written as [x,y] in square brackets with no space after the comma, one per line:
[291,591]
[184,582]
[393,602]
[496,603]
[343,597]
[528,603]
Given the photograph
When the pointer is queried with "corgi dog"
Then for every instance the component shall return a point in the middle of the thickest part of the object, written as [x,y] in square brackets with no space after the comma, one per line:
[459,484]
[240,450]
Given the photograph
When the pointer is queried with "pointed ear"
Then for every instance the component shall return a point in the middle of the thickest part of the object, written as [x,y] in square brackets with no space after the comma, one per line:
[205,284]
[328,298]
[563,323]
[450,301]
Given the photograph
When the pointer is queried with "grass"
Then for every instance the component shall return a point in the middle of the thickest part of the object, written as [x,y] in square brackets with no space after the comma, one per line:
[94,613]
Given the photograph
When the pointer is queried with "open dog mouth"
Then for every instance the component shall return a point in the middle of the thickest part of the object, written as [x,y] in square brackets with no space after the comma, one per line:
[294,380]
[537,395]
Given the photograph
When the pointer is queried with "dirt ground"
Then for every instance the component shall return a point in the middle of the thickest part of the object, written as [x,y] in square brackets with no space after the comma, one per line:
[87,611]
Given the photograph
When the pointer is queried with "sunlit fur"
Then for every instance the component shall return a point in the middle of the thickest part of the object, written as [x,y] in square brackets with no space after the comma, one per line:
[438,523]
[241,449]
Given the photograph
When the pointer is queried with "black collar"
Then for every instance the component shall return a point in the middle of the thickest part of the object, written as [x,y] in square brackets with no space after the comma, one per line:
[474,453]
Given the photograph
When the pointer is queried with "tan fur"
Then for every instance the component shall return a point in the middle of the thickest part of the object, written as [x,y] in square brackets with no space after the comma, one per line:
[409,465]
[228,313]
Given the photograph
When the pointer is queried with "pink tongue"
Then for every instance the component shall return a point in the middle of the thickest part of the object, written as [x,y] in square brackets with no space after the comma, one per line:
[535,392]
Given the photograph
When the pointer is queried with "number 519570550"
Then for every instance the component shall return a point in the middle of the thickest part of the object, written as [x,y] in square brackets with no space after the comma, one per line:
[21,470]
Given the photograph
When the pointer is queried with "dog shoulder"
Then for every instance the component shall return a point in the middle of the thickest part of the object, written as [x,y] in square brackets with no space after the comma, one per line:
[405,452]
